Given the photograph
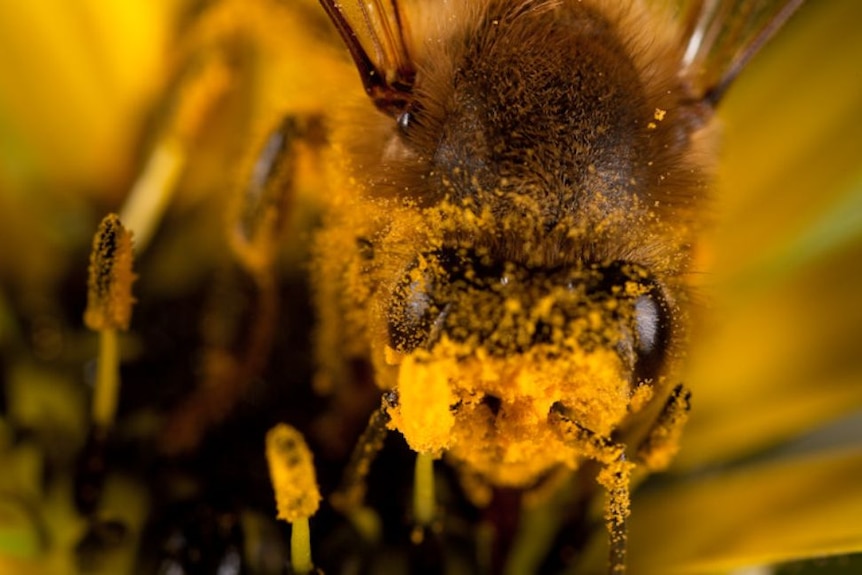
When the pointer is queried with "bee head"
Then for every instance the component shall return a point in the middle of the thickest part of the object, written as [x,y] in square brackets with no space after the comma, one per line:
[489,350]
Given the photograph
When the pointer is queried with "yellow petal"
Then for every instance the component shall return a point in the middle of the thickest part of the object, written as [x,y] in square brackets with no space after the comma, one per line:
[75,77]
[760,515]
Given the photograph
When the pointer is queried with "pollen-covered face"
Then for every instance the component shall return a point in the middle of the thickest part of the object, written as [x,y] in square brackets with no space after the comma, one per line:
[486,352]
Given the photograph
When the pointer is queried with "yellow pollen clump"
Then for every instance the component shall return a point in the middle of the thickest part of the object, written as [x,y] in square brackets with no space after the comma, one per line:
[444,406]
[424,416]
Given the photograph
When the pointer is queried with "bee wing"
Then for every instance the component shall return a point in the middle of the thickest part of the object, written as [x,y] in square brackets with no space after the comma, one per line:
[724,35]
[376,34]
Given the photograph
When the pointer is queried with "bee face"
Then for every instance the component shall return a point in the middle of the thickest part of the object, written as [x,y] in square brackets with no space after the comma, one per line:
[504,347]
[531,211]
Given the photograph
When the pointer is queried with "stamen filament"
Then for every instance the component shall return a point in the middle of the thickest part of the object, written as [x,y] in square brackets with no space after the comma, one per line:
[300,547]
[423,490]
[107,379]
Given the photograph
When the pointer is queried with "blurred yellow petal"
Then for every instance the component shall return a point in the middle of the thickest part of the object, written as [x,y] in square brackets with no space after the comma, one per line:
[759,515]
[785,361]
[75,77]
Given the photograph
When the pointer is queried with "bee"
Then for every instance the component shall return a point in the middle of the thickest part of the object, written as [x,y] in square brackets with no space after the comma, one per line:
[507,248]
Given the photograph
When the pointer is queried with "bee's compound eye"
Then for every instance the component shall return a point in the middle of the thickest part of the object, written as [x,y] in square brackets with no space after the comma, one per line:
[413,316]
[652,326]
